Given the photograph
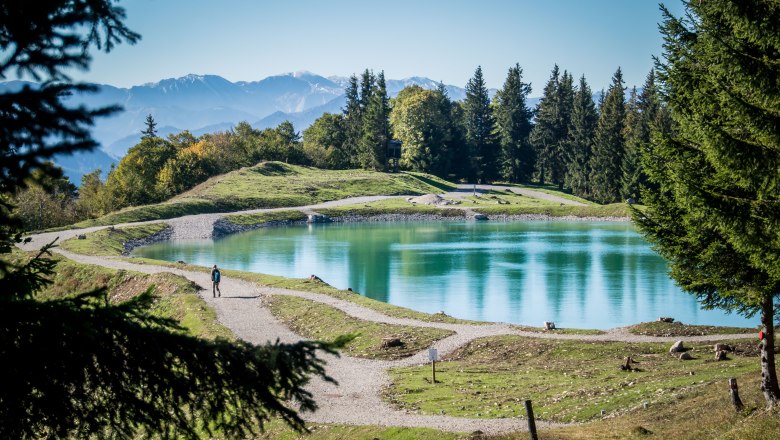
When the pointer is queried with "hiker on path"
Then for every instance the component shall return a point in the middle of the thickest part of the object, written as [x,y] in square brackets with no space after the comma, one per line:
[215,277]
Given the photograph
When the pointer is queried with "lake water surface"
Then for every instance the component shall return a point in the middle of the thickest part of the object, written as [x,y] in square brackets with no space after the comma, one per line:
[578,274]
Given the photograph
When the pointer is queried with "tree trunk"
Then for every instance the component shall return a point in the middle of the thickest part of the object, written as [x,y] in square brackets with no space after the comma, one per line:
[768,373]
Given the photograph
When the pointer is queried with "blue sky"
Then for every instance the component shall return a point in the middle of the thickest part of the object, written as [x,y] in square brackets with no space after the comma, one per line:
[246,40]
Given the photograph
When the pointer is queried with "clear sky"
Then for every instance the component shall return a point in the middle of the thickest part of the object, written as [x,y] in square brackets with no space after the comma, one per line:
[247,40]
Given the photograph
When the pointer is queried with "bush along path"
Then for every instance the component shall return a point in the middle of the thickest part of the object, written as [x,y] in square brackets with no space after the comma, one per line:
[357,399]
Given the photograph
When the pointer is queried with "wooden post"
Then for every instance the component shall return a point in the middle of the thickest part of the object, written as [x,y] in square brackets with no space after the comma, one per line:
[433,354]
[735,400]
[529,411]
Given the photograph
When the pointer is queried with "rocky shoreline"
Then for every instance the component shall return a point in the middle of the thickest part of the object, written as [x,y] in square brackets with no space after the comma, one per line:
[224,227]
[163,235]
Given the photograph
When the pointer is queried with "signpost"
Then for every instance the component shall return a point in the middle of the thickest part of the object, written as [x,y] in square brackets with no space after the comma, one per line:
[433,355]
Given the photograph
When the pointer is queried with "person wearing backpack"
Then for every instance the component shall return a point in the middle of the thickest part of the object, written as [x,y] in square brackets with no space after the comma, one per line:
[215,278]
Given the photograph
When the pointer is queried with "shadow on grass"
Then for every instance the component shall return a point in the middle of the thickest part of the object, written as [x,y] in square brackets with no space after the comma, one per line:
[434,183]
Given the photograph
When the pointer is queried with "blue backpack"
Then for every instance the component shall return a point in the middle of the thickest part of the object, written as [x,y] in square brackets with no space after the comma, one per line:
[216,276]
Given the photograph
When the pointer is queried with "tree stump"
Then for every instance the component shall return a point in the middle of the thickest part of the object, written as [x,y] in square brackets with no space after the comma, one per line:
[735,400]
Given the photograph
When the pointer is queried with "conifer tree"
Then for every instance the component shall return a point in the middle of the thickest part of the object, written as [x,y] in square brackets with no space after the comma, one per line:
[631,167]
[353,123]
[151,128]
[546,134]
[513,123]
[579,142]
[559,162]
[608,146]
[480,125]
[375,125]
[715,214]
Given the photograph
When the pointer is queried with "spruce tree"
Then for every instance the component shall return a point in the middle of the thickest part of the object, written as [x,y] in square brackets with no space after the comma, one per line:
[559,162]
[545,136]
[375,124]
[579,142]
[353,123]
[715,215]
[630,179]
[480,125]
[608,147]
[151,128]
[513,123]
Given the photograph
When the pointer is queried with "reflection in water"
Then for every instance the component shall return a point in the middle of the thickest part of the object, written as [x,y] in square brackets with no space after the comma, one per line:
[579,274]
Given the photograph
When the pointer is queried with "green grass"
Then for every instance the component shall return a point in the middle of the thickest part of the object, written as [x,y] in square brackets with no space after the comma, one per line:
[599,211]
[391,206]
[277,430]
[559,331]
[275,184]
[307,285]
[288,215]
[678,329]
[700,414]
[322,322]
[552,190]
[109,242]
[568,381]
[176,297]
[159,211]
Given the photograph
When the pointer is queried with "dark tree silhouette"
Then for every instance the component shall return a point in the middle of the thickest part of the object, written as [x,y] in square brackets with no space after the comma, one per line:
[151,127]
[81,366]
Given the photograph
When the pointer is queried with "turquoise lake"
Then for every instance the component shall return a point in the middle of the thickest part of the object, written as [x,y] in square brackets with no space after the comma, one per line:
[578,274]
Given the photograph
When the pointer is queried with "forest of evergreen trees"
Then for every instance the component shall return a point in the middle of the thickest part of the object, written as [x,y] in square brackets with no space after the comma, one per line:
[591,149]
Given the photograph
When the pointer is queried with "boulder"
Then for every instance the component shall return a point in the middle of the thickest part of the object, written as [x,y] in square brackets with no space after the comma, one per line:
[665,319]
[677,347]
[315,278]
[685,356]
[720,355]
[480,217]
[181,262]
[549,325]
[391,342]
[317,218]
[82,236]
[723,347]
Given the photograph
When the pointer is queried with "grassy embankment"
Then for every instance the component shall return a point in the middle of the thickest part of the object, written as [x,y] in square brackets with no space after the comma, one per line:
[491,203]
[678,329]
[276,185]
[108,242]
[318,321]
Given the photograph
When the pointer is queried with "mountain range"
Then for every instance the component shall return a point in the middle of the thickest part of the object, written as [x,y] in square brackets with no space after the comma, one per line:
[209,103]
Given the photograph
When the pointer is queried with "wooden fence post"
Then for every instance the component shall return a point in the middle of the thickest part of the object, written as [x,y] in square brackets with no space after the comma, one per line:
[529,411]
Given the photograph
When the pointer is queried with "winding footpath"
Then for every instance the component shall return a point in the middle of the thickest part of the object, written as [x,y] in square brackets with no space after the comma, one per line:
[357,399]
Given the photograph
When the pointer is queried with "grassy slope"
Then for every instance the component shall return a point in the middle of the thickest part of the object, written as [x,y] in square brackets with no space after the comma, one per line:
[177,297]
[677,329]
[107,242]
[276,185]
[318,321]
[567,380]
